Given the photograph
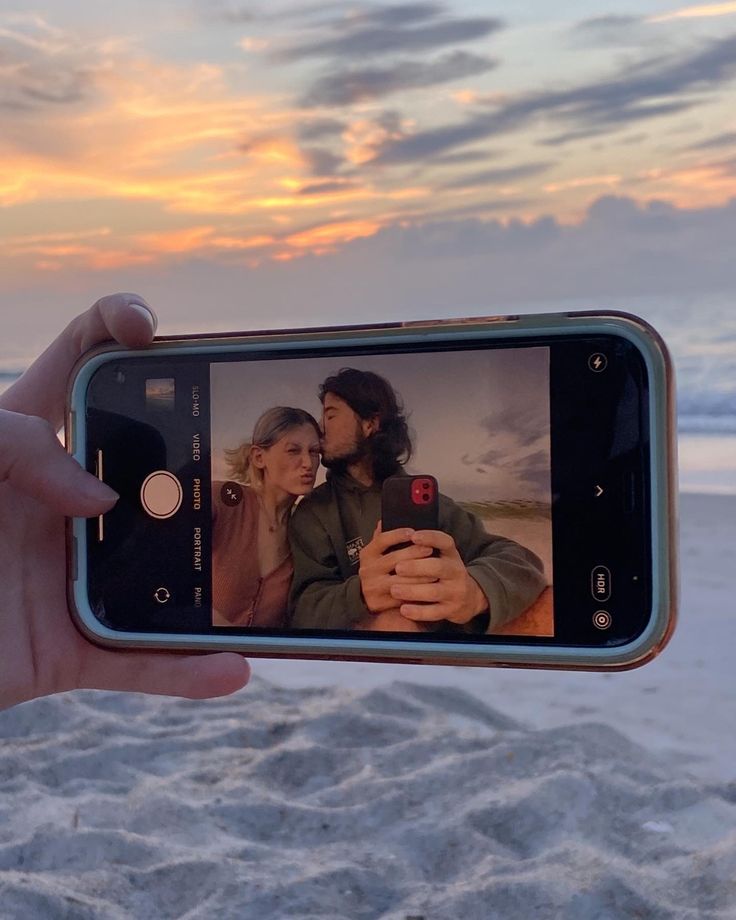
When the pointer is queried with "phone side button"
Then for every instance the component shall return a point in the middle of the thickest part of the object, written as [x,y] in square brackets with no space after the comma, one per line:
[72,444]
[73,562]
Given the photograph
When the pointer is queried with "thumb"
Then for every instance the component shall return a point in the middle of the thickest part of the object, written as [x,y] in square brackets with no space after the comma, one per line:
[33,461]
[195,677]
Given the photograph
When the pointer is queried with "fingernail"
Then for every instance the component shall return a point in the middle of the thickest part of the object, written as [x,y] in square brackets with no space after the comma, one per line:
[144,311]
[97,490]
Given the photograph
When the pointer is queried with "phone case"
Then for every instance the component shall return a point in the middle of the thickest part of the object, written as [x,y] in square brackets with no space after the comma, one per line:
[663,495]
[410,501]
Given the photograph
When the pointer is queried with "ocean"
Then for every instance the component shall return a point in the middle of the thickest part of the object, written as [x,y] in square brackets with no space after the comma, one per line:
[700,331]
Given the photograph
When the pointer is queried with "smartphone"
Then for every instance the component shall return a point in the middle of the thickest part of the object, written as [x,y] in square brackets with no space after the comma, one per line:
[253,468]
[409,501]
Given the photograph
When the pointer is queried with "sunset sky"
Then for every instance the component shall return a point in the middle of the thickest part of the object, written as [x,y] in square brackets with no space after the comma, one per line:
[201,150]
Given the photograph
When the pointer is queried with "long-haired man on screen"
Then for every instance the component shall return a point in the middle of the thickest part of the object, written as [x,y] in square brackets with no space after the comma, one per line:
[348,573]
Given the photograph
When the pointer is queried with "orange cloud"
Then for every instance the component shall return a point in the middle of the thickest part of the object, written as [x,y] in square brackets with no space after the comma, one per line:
[364,136]
[703,185]
[702,11]
[175,242]
[223,174]
[582,182]
[331,234]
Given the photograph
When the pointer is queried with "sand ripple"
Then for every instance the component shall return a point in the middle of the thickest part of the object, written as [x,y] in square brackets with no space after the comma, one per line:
[400,802]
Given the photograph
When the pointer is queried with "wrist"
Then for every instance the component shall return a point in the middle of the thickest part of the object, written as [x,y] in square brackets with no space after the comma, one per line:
[476,601]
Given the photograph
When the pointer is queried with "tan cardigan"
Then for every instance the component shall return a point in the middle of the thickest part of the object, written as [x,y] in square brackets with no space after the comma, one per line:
[240,596]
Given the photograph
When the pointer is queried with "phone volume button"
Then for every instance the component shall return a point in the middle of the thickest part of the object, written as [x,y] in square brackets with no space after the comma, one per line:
[72,432]
[73,560]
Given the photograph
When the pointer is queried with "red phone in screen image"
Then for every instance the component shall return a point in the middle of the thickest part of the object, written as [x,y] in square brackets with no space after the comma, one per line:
[409,501]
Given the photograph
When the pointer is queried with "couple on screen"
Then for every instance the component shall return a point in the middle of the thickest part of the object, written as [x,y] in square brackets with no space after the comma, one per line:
[323,562]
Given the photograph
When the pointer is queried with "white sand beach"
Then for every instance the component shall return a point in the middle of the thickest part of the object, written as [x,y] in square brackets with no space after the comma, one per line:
[329,790]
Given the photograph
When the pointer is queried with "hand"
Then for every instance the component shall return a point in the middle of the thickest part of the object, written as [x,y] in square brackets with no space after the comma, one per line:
[388,621]
[377,566]
[448,592]
[41,651]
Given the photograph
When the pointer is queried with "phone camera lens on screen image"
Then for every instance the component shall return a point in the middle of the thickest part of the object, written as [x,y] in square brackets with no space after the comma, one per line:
[421,492]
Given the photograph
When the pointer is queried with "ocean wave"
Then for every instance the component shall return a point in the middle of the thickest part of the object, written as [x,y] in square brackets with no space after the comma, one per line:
[706,424]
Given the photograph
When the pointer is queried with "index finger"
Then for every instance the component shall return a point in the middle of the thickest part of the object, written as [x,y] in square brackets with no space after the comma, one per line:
[437,539]
[385,540]
[41,390]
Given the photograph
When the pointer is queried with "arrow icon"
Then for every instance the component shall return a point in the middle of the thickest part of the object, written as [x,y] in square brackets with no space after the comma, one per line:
[598,491]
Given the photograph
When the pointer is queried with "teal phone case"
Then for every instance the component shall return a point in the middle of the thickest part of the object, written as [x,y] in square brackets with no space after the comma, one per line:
[663,477]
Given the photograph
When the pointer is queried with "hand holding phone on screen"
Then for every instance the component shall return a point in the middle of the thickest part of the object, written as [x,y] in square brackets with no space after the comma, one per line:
[41,652]
[377,568]
[431,583]
[407,503]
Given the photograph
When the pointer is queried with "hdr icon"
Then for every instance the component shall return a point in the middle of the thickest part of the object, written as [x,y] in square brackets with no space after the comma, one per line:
[600,583]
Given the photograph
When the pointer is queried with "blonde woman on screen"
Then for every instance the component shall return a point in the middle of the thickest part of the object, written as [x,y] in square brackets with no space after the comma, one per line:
[251,560]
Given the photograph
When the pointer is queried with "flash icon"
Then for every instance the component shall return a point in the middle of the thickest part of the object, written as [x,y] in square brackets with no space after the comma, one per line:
[597,362]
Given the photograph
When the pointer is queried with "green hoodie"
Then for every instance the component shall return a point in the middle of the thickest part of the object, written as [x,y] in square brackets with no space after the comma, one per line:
[331,525]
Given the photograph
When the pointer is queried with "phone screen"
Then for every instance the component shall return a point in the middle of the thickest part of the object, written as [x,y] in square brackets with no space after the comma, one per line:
[239,511]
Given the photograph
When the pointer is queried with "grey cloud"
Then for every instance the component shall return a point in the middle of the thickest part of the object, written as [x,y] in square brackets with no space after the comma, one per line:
[426,144]
[539,458]
[321,188]
[350,86]
[500,176]
[401,14]
[536,479]
[322,162]
[523,425]
[719,140]
[437,239]
[393,15]
[557,140]
[465,156]
[233,14]
[320,128]
[625,115]
[495,459]
[231,11]
[639,92]
[34,78]
[365,40]
[617,30]
[480,208]
[611,21]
